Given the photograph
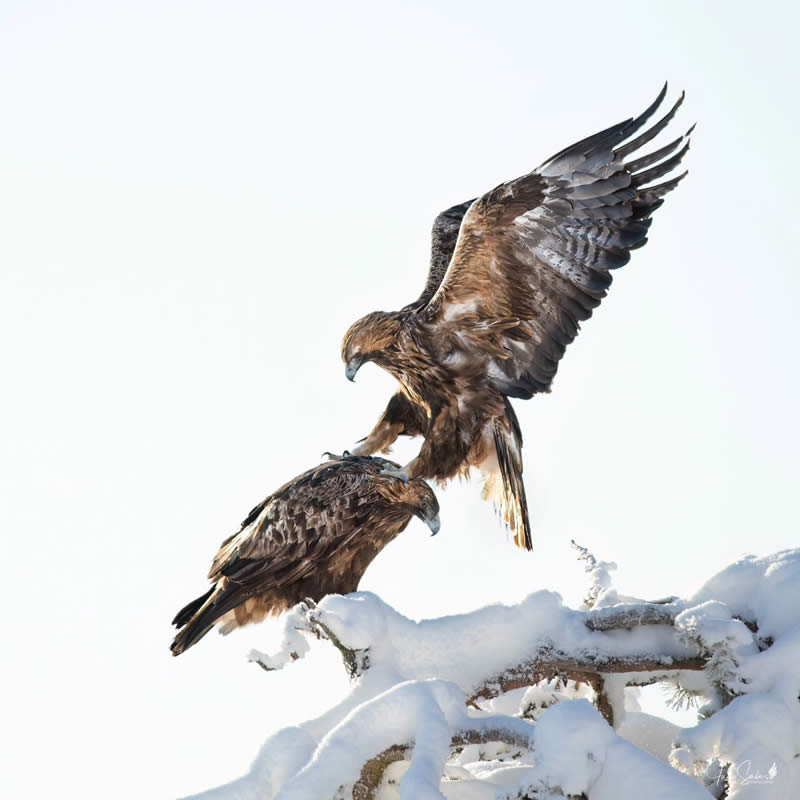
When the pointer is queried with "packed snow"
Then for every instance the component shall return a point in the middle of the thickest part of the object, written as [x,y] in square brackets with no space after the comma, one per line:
[432,695]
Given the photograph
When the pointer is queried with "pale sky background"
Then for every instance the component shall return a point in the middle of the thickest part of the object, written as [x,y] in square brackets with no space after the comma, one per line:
[197,198]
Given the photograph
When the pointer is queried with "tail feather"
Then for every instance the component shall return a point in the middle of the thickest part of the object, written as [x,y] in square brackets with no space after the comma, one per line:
[510,494]
[190,635]
[185,614]
[200,616]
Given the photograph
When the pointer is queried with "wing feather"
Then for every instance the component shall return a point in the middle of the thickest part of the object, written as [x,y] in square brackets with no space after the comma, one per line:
[538,252]
[304,520]
[444,235]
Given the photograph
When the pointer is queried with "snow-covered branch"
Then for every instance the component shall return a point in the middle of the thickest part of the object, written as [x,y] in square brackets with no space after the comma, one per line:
[498,697]
[592,651]
[549,664]
[372,773]
[594,654]
[627,617]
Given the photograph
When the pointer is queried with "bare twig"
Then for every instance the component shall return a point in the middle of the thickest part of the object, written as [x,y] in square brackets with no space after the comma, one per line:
[584,554]
[292,657]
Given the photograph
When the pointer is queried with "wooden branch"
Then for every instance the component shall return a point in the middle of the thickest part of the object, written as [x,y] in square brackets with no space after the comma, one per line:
[355,661]
[624,617]
[601,700]
[372,772]
[366,787]
[615,618]
[628,617]
[498,734]
[549,664]
[546,664]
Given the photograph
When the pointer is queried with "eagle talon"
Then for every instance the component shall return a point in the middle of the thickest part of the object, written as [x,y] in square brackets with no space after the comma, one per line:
[334,456]
[396,472]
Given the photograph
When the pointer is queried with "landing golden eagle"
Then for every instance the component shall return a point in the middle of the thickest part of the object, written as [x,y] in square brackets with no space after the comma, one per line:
[512,276]
[314,536]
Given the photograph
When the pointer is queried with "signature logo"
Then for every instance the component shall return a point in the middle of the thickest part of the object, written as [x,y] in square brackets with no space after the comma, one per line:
[747,775]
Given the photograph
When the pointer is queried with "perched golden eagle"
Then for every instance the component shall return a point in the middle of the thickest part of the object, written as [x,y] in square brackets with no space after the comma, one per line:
[512,275]
[315,536]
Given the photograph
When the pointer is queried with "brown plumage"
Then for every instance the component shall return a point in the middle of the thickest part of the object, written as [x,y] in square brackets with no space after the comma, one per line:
[314,536]
[512,276]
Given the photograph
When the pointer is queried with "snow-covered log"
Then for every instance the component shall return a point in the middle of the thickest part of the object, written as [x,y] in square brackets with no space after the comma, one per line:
[529,700]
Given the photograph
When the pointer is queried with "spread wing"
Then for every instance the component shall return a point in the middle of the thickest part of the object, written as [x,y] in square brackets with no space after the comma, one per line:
[534,255]
[444,236]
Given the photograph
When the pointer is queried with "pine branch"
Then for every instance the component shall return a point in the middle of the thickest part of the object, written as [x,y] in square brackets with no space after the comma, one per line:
[680,697]
[584,554]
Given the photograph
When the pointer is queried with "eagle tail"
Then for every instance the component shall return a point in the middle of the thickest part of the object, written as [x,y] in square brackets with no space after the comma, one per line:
[504,480]
[186,613]
[199,617]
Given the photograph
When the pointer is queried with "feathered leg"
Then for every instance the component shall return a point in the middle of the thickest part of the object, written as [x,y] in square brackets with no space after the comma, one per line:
[452,445]
[401,418]
[444,452]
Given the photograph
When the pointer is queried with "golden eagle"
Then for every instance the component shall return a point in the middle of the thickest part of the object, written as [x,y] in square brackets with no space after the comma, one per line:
[512,275]
[315,536]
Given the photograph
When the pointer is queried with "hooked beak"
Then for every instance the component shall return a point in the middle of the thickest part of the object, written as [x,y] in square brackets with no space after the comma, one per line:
[353,366]
[433,523]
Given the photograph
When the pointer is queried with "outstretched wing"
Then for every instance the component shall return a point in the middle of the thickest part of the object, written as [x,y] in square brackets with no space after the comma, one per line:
[444,236]
[534,255]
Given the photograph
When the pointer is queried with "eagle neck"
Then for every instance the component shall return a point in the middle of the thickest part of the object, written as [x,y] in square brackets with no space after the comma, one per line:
[416,372]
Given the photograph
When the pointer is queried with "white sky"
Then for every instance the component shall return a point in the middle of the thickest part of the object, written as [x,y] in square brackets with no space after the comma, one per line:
[197,198]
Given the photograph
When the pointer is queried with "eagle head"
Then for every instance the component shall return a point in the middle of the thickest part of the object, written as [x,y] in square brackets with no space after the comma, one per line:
[372,338]
[425,504]
[414,497]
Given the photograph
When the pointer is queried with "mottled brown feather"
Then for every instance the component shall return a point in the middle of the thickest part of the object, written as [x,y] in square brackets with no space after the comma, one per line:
[315,536]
